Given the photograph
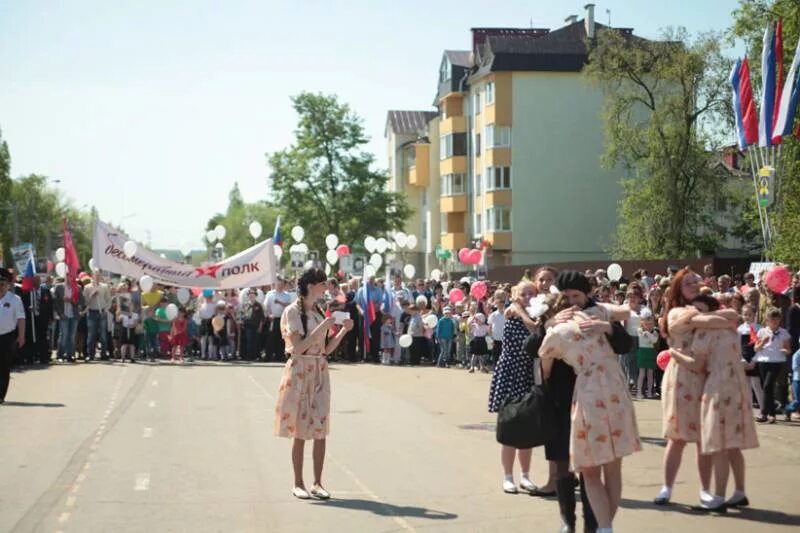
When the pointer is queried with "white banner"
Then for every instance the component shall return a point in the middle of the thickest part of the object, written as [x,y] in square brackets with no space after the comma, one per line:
[253,267]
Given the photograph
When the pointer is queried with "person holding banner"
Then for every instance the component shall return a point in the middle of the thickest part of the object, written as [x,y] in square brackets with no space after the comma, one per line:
[12,329]
[303,407]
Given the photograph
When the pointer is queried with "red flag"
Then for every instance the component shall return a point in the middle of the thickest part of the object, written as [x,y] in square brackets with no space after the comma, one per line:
[71,260]
[749,113]
[776,138]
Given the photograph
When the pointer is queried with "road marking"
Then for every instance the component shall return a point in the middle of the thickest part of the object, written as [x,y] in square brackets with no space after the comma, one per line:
[142,482]
[399,520]
[152,403]
[148,432]
[71,501]
[63,518]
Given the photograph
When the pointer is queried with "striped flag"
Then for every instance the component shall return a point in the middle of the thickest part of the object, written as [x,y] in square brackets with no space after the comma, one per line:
[73,265]
[789,98]
[776,139]
[744,107]
[277,239]
[767,87]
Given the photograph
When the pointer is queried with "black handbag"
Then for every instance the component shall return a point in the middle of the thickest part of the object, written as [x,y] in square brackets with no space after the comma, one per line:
[526,421]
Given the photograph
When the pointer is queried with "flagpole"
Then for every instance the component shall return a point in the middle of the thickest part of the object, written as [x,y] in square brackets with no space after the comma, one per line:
[33,317]
[758,204]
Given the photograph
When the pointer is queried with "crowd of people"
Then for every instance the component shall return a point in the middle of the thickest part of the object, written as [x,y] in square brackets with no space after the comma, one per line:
[732,342]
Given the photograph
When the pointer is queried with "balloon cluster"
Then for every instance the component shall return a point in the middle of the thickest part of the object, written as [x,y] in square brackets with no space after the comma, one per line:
[470,257]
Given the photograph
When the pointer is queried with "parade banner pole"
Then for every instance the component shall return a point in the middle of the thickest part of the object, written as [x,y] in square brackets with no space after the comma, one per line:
[754,173]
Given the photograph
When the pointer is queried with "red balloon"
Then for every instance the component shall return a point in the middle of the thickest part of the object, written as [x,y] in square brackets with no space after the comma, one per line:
[463,255]
[662,360]
[342,250]
[196,292]
[474,257]
[455,296]
[778,279]
[478,290]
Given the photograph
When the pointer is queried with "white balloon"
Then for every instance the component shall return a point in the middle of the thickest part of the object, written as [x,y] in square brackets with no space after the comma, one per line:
[370,243]
[130,248]
[278,250]
[293,248]
[376,260]
[260,296]
[436,274]
[163,256]
[255,229]
[93,265]
[197,319]
[412,242]
[309,264]
[218,246]
[431,321]
[401,239]
[302,248]
[331,256]
[184,295]
[327,269]
[211,235]
[614,272]
[186,250]
[370,270]
[60,254]
[146,283]
[405,340]
[409,271]
[61,270]
[172,312]
[381,245]
[220,232]
[298,233]
[331,241]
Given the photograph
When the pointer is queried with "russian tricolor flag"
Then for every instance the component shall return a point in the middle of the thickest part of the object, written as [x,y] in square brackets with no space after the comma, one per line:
[277,240]
[768,59]
[789,99]
[29,275]
[744,106]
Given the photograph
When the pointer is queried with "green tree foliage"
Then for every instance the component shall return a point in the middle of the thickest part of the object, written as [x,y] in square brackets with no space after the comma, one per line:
[324,182]
[5,195]
[663,102]
[750,20]
[237,219]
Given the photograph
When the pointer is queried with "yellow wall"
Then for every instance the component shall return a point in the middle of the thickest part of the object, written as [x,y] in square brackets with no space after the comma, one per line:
[453,204]
[499,241]
[498,198]
[500,111]
[453,104]
[453,125]
[453,165]
[498,157]
[419,175]
[453,241]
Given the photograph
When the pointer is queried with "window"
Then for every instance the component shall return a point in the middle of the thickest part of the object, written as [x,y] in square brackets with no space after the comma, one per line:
[478,144]
[453,144]
[425,198]
[498,219]
[490,93]
[498,178]
[452,184]
[478,184]
[444,70]
[477,106]
[478,227]
[443,223]
[444,111]
[497,136]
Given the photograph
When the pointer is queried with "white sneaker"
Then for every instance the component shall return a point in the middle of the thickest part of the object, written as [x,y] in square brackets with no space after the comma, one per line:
[319,492]
[509,487]
[300,493]
[527,485]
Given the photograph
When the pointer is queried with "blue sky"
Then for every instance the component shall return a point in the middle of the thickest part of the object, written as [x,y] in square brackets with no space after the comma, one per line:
[151,110]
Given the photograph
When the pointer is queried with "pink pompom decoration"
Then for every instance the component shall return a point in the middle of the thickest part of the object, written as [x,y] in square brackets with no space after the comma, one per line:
[342,250]
[478,290]
[455,296]
[778,279]
[663,360]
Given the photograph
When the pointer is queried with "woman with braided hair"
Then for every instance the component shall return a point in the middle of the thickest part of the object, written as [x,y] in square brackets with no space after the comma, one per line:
[303,407]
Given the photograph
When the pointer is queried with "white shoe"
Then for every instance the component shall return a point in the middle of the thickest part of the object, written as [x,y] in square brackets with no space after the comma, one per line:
[319,492]
[527,485]
[509,487]
[300,493]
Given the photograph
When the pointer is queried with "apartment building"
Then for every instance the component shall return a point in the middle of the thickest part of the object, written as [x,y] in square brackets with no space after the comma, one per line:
[519,138]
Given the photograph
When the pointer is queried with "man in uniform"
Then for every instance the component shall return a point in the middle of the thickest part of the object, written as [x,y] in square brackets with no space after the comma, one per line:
[12,329]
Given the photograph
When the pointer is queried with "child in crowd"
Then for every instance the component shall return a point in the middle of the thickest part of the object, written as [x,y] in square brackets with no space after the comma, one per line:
[794,405]
[445,330]
[462,343]
[497,321]
[772,347]
[150,333]
[220,327]
[478,330]
[387,339]
[178,337]
[748,333]
[128,321]
[419,343]
[646,353]
[193,334]
[405,319]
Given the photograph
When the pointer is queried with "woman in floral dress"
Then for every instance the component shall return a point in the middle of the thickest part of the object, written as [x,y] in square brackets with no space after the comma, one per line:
[681,386]
[604,428]
[303,408]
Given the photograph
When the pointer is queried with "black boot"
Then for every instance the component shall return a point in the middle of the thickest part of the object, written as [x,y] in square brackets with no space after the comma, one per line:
[589,521]
[565,490]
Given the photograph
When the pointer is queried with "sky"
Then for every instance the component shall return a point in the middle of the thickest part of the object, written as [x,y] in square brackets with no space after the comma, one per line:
[151,110]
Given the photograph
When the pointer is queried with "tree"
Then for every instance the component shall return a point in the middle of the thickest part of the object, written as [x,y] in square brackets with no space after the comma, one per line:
[750,19]
[664,102]
[237,219]
[324,182]
[5,196]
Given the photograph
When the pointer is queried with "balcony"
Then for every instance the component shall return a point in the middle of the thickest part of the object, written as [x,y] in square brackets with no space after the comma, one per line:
[419,171]
[453,241]
[453,204]
[500,240]
[453,125]
[500,197]
[453,165]
[497,157]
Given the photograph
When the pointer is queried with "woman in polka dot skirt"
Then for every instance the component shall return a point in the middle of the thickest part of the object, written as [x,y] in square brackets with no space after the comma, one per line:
[513,375]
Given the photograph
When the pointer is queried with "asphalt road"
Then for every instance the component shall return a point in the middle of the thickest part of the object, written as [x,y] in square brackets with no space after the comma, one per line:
[159,447]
